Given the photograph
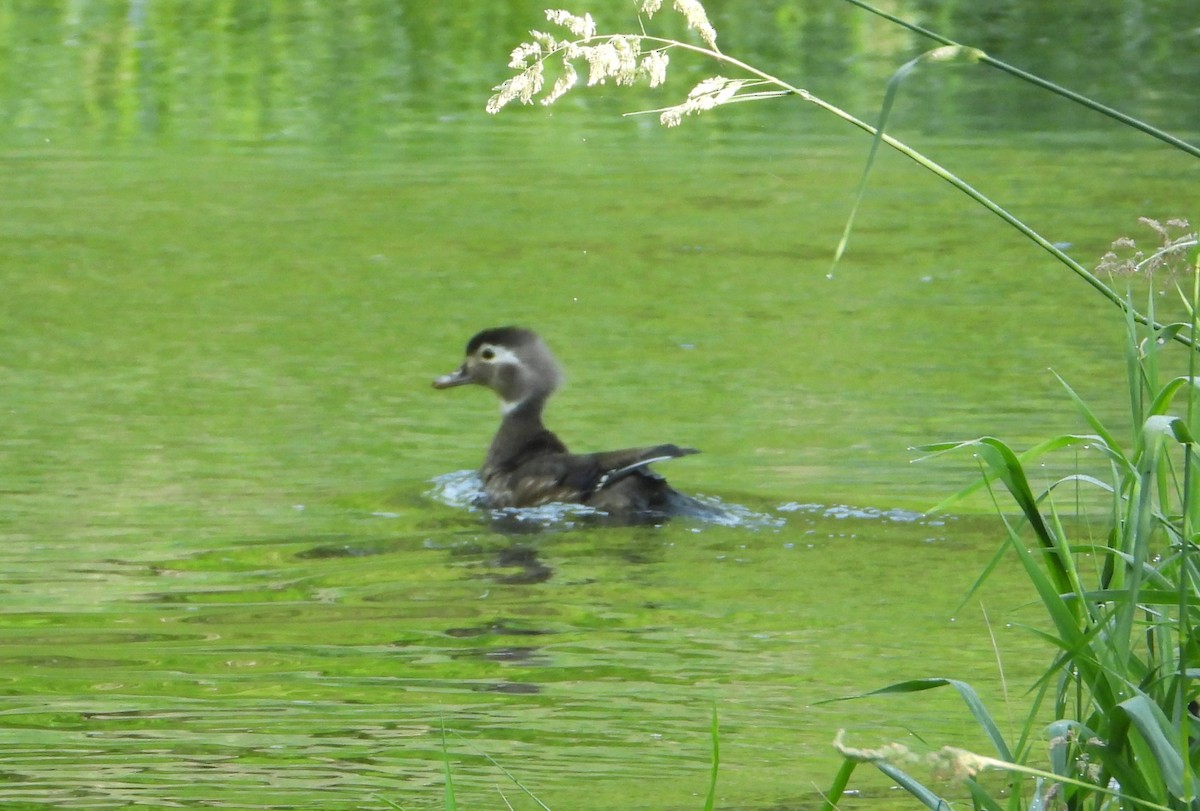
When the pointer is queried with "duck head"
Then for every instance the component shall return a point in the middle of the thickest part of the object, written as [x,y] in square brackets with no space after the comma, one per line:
[511,361]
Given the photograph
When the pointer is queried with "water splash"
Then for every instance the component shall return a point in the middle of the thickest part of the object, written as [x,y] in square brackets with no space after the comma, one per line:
[464,489]
[846,511]
[729,514]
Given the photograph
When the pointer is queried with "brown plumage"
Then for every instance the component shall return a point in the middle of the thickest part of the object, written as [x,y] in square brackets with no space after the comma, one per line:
[527,465]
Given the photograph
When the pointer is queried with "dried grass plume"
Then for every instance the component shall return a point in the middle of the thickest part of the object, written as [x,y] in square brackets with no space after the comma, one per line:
[624,59]
[1170,260]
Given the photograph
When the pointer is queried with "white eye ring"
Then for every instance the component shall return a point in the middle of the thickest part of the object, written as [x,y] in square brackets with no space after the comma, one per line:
[495,354]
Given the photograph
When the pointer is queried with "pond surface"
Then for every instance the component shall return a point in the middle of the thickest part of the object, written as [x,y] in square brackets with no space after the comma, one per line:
[234,569]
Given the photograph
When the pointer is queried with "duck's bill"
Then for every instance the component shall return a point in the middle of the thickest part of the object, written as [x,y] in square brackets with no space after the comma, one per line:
[458,377]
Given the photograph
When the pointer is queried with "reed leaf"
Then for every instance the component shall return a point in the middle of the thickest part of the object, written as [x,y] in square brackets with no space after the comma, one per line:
[1159,735]
[449,803]
[840,781]
[943,54]
[993,473]
[965,691]
[1038,81]
[915,787]
[1165,395]
[1093,421]
[983,800]
[1004,465]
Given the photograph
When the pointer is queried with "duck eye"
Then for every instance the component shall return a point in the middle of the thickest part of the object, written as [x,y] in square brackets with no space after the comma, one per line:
[487,354]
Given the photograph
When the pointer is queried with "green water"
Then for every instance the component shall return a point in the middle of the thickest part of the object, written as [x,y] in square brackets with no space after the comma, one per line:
[227,576]
[225,580]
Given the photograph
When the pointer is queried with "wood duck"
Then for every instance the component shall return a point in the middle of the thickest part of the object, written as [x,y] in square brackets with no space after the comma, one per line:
[527,465]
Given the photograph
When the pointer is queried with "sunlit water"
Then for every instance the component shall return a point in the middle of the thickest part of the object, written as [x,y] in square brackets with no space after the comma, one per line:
[240,569]
[241,560]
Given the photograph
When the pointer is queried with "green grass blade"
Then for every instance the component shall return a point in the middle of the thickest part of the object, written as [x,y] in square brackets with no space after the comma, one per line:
[914,787]
[909,686]
[1007,467]
[506,772]
[1160,736]
[1041,449]
[1163,400]
[449,802]
[1065,616]
[1032,727]
[1146,597]
[1090,417]
[983,717]
[840,781]
[1078,98]
[716,762]
[982,799]
[889,99]
[885,112]
[990,567]
[965,691]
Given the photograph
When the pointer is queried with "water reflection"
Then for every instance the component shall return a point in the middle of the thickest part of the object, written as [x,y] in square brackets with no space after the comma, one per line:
[348,550]
[197,344]
[312,73]
[175,410]
[610,657]
[499,629]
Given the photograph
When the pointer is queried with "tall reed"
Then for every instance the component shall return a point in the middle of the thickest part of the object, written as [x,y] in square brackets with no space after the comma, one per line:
[1124,605]
[1123,602]
[628,58]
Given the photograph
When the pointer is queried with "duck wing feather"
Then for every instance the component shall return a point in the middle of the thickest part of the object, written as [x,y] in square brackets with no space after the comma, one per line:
[616,465]
[548,476]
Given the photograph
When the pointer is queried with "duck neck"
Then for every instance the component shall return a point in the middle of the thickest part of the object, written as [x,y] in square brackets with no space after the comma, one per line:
[520,436]
[521,421]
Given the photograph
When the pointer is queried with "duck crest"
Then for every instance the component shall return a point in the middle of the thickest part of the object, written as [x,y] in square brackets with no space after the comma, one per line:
[501,336]
[527,464]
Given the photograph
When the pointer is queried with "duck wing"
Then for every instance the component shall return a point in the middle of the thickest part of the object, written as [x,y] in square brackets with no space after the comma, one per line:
[617,465]
[629,490]
[543,480]
[546,475]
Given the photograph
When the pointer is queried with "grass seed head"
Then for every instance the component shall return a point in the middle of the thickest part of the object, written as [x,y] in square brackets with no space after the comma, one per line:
[616,57]
[1171,259]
